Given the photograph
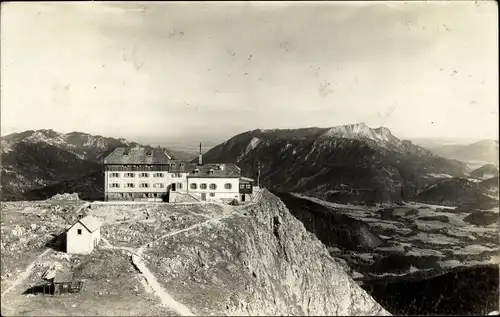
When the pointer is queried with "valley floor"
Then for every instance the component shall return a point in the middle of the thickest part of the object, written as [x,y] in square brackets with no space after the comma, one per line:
[424,239]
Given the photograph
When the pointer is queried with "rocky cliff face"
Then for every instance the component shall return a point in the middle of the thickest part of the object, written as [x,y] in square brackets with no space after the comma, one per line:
[261,262]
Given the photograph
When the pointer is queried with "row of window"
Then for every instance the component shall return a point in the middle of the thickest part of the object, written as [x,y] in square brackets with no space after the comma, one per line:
[212,186]
[149,195]
[177,175]
[149,165]
[179,185]
[145,195]
[141,185]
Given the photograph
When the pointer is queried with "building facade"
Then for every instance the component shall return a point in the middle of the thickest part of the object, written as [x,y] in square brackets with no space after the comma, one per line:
[148,174]
[83,236]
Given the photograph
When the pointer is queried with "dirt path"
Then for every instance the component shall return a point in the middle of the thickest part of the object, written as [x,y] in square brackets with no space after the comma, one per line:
[25,274]
[136,254]
[164,296]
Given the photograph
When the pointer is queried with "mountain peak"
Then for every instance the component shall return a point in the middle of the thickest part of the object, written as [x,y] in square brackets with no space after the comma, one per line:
[361,131]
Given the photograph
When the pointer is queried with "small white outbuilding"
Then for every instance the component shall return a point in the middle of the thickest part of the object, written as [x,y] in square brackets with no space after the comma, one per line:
[83,236]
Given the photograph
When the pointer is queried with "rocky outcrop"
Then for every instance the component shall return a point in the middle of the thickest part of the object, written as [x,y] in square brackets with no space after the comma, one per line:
[312,282]
[65,196]
[260,260]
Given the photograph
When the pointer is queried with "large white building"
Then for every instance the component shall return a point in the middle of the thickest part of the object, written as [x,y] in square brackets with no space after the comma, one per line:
[146,173]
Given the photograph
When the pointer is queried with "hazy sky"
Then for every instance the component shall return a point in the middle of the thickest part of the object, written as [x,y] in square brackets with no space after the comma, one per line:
[211,70]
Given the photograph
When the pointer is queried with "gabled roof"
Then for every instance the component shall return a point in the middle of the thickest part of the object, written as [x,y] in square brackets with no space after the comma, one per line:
[137,155]
[214,170]
[91,223]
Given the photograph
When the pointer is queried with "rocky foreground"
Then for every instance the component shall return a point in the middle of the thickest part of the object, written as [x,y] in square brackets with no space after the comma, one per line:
[208,259]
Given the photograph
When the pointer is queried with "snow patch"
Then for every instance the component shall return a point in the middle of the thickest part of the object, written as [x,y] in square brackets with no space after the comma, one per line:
[440,175]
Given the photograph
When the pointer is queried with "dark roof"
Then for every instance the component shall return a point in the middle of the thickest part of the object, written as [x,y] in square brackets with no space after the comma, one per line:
[137,155]
[62,277]
[215,170]
[177,166]
[91,223]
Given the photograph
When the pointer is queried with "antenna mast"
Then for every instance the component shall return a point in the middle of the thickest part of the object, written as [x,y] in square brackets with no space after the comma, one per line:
[258,173]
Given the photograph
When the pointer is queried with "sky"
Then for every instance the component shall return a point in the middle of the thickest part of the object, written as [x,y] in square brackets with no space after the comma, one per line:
[207,71]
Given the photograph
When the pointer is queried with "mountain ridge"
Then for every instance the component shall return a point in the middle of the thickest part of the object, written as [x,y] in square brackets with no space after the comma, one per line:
[34,159]
[330,160]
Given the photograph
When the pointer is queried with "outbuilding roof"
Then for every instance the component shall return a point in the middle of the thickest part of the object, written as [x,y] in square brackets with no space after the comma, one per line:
[137,155]
[90,222]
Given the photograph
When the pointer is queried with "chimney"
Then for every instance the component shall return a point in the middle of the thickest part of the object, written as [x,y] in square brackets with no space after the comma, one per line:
[200,157]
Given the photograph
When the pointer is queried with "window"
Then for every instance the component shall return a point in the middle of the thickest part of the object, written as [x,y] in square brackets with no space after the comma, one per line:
[114,185]
[203,186]
[182,164]
[179,185]
[158,185]
[114,175]
[129,185]
[196,170]
[242,186]
[79,231]
[211,171]
[193,186]
[212,194]
[129,175]
[228,186]
[157,174]
[213,186]
[248,186]
[143,174]
[144,185]
[178,175]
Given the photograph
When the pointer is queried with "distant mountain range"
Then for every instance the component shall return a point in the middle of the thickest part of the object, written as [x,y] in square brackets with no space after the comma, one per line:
[32,160]
[351,163]
[475,154]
